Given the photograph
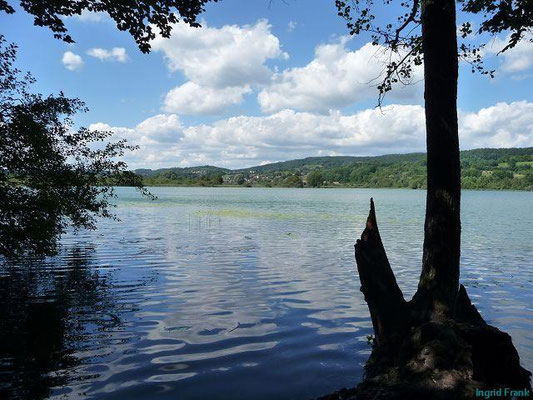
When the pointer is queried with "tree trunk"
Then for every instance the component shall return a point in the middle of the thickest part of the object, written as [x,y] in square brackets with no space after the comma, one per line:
[439,281]
[436,345]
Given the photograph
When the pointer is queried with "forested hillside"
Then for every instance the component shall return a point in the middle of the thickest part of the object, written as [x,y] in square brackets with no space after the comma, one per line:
[481,169]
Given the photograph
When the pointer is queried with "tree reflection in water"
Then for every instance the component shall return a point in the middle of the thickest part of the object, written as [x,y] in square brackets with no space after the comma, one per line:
[48,312]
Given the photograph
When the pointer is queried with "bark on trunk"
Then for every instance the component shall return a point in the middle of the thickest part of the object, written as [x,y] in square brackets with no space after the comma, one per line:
[439,281]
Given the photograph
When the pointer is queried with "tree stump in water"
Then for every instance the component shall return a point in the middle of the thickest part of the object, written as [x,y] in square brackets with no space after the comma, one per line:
[418,355]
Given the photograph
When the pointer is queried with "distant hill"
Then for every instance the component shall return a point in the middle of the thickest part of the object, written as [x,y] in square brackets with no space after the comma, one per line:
[510,168]
[304,163]
[308,163]
[189,172]
[328,162]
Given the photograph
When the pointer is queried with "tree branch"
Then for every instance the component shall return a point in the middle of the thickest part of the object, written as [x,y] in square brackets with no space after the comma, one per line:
[408,20]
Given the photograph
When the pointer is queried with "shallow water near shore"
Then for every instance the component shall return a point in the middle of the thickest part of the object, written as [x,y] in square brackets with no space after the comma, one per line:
[238,293]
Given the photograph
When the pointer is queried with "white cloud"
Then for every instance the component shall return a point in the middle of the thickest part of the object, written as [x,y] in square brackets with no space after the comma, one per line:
[191,98]
[115,54]
[291,26]
[502,125]
[517,59]
[90,16]
[72,61]
[335,78]
[245,141]
[156,136]
[221,64]
[159,124]
[221,57]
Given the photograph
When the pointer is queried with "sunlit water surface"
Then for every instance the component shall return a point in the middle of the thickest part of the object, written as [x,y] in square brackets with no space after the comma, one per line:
[237,293]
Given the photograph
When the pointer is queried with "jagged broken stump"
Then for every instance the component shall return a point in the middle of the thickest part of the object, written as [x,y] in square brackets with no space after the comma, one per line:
[418,355]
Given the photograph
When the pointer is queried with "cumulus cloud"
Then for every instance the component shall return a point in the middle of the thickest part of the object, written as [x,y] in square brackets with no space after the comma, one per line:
[191,98]
[517,59]
[115,54]
[156,136]
[160,124]
[72,61]
[221,64]
[245,141]
[502,125]
[335,78]
[221,57]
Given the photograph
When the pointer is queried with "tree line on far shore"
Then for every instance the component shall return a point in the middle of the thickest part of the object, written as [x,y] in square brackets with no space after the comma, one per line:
[496,169]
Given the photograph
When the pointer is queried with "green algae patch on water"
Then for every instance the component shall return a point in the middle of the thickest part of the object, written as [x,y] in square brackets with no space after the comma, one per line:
[261,214]
[244,213]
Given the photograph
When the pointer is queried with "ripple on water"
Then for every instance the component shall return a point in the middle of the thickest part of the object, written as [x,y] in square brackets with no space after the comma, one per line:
[232,293]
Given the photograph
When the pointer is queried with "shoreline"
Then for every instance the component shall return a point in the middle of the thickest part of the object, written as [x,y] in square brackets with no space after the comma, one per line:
[328,187]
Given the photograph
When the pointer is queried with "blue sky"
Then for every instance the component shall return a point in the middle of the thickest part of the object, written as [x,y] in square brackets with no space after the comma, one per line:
[262,81]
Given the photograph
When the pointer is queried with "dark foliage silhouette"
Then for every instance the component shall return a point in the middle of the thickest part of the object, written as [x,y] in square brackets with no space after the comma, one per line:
[51,176]
[136,17]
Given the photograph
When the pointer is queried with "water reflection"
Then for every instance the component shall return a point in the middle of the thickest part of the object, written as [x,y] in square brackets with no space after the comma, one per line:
[48,312]
[238,293]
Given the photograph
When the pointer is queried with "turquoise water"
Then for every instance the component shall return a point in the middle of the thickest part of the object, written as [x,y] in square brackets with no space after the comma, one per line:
[238,293]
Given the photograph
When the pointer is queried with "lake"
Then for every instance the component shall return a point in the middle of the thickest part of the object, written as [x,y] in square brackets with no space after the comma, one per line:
[239,293]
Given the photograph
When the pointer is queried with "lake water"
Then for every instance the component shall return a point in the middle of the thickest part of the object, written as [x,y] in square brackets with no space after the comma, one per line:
[239,293]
